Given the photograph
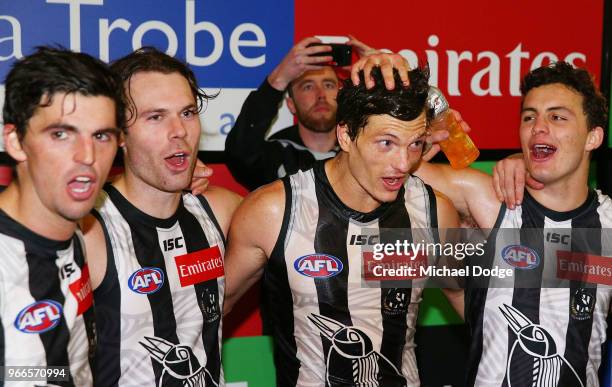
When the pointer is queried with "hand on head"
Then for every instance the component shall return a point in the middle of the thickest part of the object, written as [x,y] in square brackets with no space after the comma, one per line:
[387,63]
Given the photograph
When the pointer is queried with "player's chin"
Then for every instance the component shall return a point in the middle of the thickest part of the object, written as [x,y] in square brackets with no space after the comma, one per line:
[77,211]
[385,196]
[177,183]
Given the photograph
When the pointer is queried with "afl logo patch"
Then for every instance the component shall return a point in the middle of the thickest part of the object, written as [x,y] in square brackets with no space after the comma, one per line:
[521,257]
[318,265]
[582,304]
[147,280]
[39,317]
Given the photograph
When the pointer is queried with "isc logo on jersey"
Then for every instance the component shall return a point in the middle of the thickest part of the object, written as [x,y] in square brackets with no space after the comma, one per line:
[318,265]
[146,280]
[521,257]
[39,317]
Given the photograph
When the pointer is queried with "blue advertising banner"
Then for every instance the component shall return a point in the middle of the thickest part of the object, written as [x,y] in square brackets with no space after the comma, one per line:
[231,44]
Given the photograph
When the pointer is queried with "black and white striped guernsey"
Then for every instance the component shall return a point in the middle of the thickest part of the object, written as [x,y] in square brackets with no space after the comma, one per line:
[46,313]
[161,300]
[527,334]
[328,329]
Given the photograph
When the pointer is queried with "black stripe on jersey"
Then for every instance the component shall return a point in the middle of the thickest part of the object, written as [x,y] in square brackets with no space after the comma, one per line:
[44,283]
[433,211]
[277,303]
[605,352]
[212,217]
[330,238]
[107,298]
[207,293]
[526,293]
[579,327]
[148,253]
[475,300]
[394,302]
[2,344]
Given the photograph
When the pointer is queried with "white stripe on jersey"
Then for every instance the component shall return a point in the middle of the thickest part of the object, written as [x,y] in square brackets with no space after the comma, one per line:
[305,213]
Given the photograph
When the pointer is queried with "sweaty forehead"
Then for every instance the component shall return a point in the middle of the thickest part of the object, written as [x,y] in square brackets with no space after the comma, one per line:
[384,123]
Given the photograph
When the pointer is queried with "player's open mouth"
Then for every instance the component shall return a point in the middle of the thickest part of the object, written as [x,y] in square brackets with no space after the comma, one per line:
[81,187]
[541,152]
[178,161]
[393,183]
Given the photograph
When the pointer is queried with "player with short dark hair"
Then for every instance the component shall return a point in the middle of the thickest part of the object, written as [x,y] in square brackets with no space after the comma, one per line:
[61,117]
[328,328]
[523,332]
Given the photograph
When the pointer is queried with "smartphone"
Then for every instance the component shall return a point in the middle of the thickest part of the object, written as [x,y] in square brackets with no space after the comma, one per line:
[341,53]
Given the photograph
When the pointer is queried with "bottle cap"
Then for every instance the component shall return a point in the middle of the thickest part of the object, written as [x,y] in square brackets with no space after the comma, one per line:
[436,101]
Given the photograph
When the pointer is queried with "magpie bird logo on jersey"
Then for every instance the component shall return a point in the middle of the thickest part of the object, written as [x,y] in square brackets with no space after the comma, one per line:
[146,280]
[395,301]
[179,363]
[351,360]
[582,304]
[533,358]
[318,265]
[521,257]
[39,317]
[209,305]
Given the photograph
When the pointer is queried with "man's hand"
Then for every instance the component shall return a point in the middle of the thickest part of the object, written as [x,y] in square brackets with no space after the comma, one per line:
[199,180]
[297,61]
[435,137]
[360,47]
[387,62]
[509,179]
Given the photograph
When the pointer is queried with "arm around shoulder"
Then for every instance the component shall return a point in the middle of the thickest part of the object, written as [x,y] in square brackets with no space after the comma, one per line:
[253,233]
[469,190]
[223,203]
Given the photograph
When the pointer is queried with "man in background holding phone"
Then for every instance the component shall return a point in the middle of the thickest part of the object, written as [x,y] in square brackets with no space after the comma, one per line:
[312,86]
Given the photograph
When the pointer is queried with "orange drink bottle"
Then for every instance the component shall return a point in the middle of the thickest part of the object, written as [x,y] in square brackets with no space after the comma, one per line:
[458,148]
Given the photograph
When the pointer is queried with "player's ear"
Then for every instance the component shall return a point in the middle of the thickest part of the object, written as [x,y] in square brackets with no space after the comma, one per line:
[12,143]
[344,140]
[290,105]
[121,142]
[594,138]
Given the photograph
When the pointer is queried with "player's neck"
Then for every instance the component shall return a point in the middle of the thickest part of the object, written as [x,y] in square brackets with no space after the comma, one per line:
[317,141]
[148,199]
[346,187]
[562,196]
[24,206]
